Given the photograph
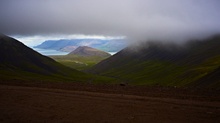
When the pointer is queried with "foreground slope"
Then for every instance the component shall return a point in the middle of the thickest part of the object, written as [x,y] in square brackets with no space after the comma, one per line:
[166,64]
[19,62]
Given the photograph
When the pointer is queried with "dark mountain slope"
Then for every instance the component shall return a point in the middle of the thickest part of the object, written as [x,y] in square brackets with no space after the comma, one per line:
[16,55]
[18,61]
[213,79]
[163,64]
[141,53]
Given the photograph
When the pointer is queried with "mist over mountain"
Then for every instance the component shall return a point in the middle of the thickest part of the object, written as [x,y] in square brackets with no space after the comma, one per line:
[153,63]
[137,20]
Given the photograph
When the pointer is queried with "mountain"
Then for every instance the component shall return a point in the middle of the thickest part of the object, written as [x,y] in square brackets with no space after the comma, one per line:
[88,51]
[19,62]
[63,44]
[196,63]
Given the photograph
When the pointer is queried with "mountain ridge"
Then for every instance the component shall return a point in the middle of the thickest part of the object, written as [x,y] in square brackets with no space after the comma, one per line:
[104,45]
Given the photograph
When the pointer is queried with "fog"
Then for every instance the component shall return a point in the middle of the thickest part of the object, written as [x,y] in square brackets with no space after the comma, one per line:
[166,20]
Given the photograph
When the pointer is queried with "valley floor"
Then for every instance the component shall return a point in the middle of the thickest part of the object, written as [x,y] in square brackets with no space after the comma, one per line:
[105,104]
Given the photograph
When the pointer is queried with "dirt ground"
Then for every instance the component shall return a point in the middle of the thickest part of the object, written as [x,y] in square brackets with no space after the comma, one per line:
[90,104]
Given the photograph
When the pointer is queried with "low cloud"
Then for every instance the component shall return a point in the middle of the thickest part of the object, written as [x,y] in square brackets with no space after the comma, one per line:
[135,19]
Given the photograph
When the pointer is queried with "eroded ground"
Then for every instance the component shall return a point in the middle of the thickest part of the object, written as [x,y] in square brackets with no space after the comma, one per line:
[89,103]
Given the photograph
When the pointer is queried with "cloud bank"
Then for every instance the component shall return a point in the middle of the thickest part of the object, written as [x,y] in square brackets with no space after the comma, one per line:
[135,19]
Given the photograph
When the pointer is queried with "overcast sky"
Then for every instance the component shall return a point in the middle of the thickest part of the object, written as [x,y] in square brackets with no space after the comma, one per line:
[135,19]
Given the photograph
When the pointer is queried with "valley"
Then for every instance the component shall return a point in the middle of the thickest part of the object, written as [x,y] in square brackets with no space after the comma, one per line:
[152,84]
[82,58]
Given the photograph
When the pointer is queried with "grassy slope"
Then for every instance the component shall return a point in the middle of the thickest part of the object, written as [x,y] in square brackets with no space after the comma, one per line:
[160,67]
[78,62]
[19,75]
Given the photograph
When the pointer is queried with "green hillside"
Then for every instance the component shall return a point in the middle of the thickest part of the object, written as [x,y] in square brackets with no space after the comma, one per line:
[78,62]
[19,62]
[194,64]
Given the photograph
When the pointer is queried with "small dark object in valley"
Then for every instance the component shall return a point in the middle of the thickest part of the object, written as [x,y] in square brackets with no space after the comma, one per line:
[123,84]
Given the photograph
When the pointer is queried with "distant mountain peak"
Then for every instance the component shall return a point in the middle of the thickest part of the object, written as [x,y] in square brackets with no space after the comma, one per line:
[88,51]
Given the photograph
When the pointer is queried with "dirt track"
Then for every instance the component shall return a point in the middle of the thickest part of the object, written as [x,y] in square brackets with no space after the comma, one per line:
[36,104]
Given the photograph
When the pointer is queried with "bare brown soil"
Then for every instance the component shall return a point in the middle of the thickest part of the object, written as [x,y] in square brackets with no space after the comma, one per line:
[80,103]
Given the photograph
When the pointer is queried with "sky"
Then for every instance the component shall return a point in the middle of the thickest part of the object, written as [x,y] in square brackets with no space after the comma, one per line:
[33,21]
